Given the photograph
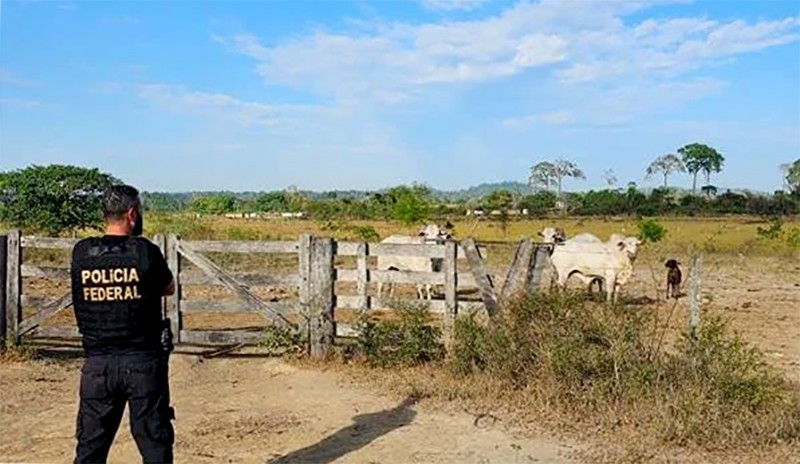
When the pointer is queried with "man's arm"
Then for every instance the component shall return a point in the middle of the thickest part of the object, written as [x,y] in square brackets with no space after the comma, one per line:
[163,280]
[170,290]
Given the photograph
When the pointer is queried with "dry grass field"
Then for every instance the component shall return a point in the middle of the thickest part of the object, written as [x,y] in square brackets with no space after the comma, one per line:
[255,409]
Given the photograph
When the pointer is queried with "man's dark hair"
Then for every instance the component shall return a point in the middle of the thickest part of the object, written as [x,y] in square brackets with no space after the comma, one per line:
[118,199]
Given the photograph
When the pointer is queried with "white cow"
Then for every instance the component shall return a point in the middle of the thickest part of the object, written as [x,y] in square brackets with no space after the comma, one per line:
[590,259]
[553,235]
[430,234]
[631,243]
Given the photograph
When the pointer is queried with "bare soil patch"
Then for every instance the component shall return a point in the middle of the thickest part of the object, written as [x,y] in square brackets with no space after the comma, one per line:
[259,410]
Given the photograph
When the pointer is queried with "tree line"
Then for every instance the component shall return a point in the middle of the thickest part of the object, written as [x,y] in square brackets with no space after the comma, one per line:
[56,198]
[694,158]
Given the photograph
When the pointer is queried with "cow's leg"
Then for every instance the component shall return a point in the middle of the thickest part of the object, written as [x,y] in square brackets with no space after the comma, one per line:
[380,289]
[611,288]
[561,281]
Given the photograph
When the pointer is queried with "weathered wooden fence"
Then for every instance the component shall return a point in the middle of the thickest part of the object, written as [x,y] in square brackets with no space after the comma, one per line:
[314,282]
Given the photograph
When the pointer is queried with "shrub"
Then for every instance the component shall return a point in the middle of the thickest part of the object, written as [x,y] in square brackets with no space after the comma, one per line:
[605,364]
[281,340]
[407,341]
[366,233]
[724,392]
[651,230]
[773,231]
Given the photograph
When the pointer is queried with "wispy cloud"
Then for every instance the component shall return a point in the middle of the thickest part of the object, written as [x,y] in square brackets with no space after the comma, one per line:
[11,79]
[553,117]
[316,135]
[451,5]
[245,113]
[19,103]
[119,21]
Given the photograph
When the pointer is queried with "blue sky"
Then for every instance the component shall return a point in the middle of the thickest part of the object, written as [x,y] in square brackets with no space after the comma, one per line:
[257,95]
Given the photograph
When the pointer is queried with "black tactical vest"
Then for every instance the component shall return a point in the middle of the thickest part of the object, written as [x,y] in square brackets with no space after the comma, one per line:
[114,308]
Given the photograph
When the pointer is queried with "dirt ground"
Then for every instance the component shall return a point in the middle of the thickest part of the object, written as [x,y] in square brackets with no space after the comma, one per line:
[758,296]
[262,410]
[248,409]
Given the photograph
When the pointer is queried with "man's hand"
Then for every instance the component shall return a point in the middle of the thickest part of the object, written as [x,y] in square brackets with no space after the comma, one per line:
[170,289]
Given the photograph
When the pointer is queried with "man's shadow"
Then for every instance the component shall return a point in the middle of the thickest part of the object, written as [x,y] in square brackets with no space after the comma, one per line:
[364,430]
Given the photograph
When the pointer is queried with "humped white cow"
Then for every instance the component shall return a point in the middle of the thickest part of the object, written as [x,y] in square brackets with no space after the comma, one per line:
[430,234]
[590,259]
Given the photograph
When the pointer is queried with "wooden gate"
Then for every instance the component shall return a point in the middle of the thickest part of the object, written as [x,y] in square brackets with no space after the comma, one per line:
[306,279]
[243,286]
[39,309]
[22,312]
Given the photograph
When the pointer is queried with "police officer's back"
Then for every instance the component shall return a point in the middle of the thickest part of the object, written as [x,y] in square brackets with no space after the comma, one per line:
[118,280]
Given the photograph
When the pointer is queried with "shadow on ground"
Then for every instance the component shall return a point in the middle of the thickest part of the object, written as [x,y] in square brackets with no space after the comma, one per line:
[365,429]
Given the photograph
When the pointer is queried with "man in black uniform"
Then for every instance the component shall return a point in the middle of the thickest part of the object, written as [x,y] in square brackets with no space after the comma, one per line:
[118,281]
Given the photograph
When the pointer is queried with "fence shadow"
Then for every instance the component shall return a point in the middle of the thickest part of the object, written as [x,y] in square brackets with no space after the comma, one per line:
[365,429]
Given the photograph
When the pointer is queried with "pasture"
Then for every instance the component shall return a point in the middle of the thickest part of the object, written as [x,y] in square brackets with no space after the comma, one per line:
[250,409]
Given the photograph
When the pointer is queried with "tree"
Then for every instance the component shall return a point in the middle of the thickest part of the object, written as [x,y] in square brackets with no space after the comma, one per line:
[666,165]
[499,200]
[161,202]
[54,198]
[540,203]
[565,168]
[543,176]
[610,178]
[792,176]
[709,190]
[271,202]
[701,158]
[214,204]
[410,205]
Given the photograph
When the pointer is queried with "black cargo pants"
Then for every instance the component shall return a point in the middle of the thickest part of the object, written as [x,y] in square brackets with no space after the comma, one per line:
[109,382]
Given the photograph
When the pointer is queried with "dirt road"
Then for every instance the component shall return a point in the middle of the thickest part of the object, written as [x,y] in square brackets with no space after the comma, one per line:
[260,410]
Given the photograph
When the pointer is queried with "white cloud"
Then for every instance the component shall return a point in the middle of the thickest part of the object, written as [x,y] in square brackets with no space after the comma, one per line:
[621,105]
[333,129]
[119,21]
[451,5]
[19,103]
[11,79]
[539,49]
[553,117]
[576,42]
[245,113]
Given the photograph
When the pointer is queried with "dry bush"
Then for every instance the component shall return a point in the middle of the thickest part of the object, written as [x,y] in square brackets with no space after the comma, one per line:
[408,340]
[17,354]
[603,366]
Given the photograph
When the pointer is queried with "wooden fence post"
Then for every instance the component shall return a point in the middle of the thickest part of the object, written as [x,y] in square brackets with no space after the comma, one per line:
[322,325]
[3,259]
[161,242]
[304,271]
[13,286]
[540,259]
[174,301]
[482,278]
[450,288]
[694,302]
[363,277]
[519,273]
